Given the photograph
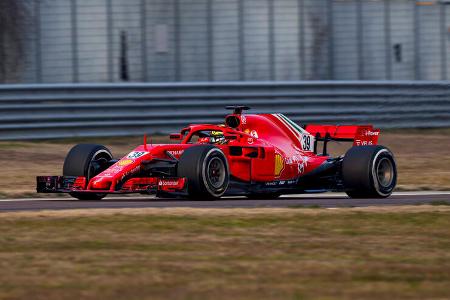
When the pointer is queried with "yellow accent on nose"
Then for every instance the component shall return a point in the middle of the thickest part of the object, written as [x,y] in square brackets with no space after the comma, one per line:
[125,162]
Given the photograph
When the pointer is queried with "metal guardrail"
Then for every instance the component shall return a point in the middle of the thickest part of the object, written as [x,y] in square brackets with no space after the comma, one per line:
[69,110]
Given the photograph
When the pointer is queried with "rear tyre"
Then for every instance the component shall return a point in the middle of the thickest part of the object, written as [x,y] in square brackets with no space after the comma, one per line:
[207,172]
[369,172]
[79,162]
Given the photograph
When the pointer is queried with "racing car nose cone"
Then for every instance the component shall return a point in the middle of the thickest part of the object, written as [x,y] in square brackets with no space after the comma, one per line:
[100,184]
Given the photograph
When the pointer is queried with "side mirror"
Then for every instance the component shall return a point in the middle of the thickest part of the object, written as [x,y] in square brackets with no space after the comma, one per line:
[231,136]
[175,136]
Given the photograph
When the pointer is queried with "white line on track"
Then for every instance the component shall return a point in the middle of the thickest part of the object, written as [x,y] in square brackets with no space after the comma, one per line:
[318,195]
[332,195]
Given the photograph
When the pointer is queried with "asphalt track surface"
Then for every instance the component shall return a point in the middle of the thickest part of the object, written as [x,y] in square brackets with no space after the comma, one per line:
[329,200]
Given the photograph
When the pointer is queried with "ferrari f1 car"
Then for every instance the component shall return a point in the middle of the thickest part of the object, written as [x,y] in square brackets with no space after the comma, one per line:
[253,155]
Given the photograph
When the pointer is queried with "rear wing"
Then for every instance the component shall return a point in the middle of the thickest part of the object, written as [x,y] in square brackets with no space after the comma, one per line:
[360,135]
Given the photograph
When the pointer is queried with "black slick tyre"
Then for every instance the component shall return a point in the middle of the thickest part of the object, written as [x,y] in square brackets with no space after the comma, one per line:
[369,172]
[207,172]
[80,162]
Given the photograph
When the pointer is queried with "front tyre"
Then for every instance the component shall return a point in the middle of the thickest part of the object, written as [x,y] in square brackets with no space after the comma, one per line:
[369,172]
[207,172]
[86,160]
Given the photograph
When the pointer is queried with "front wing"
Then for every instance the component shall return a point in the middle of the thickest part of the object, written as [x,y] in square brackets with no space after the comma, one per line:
[77,184]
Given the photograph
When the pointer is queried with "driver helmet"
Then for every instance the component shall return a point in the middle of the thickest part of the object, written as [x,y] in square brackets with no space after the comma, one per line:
[218,138]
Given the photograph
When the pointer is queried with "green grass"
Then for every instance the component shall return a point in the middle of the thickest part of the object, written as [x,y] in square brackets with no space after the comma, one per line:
[305,206]
[440,202]
[297,254]
[12,145]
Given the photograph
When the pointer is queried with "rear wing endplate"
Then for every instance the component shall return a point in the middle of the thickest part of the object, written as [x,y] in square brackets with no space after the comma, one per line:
[360,135]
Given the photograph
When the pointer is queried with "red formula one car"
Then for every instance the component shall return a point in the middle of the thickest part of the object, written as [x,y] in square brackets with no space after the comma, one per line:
[258,156]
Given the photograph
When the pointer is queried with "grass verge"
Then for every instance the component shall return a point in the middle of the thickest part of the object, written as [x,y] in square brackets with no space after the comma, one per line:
[401,253]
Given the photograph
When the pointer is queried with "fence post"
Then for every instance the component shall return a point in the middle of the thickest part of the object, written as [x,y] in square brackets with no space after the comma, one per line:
[359,32]
[3,67]
[443,32]
[177,40]
[241,40]
[144,41]
[301,37]
[74,33]
[210,33]
[271,39]
[417,74]
[387,38]
[38,41]
[330,39]
[110,30]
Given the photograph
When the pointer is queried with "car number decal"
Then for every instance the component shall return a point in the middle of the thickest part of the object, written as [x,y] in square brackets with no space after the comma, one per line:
[136,154]
[307,142]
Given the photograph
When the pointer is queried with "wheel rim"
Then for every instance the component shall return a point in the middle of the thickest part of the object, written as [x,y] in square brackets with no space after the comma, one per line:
[92,172]
[98,155]
[216,173]
[385,172]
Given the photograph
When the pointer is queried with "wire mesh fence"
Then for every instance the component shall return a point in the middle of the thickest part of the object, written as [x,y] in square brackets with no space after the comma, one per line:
[53,41]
